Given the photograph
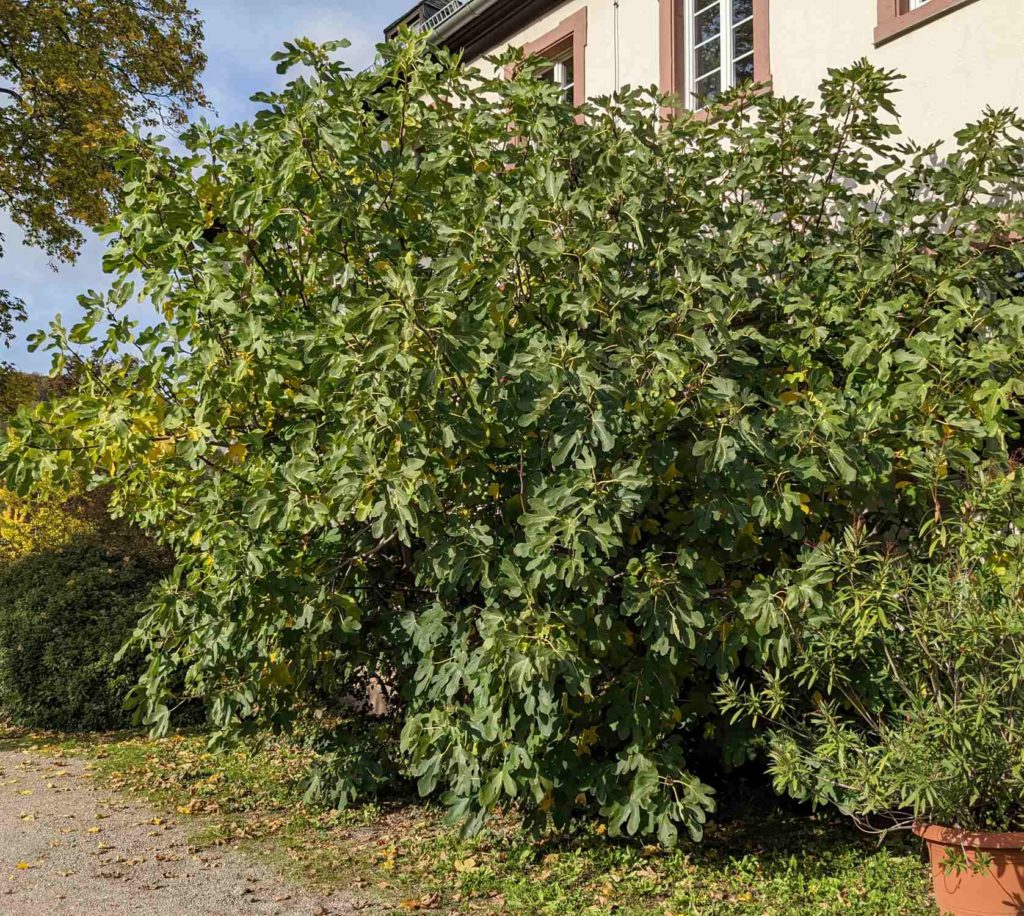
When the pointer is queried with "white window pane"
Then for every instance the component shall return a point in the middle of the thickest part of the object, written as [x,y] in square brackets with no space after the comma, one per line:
[562,73]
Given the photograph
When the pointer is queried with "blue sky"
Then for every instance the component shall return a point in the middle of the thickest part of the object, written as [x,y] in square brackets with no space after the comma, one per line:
[240,37]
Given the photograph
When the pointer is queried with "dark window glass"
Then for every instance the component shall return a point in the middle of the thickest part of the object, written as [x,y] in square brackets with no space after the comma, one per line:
[743,39]
[742,9]
[708,88]
[707,23]
[744,70]
[708,57]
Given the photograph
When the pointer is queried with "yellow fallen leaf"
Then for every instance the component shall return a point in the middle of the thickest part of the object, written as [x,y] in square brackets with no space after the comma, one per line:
[464,865]
[21,866]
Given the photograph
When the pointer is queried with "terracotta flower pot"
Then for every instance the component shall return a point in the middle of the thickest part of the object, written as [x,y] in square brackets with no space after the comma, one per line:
[996,890]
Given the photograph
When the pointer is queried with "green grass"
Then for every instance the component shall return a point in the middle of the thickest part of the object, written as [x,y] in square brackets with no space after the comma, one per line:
[759,860]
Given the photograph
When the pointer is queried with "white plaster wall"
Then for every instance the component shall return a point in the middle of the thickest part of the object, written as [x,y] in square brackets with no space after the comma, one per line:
[954,65]
[637,35]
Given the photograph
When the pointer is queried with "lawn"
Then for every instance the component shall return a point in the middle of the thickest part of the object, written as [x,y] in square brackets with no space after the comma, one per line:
[759,859]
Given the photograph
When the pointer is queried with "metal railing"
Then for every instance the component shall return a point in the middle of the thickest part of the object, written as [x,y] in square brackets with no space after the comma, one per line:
[441,16]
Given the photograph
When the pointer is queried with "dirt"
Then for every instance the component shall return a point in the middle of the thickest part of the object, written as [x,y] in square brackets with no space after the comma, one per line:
[69,848]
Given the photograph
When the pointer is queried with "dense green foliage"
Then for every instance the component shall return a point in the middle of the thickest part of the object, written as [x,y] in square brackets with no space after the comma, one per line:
[18,389]
[64,616]
[914,668]
[529,415]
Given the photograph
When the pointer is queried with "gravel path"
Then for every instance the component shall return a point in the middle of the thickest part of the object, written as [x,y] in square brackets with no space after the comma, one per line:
[68,848]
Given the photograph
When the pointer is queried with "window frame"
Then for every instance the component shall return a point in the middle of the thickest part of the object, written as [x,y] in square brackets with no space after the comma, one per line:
[897,17]
[727,58]
[567,40]
[677,66]
[562,65]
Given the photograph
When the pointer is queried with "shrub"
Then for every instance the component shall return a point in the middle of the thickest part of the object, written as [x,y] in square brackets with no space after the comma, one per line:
[49,519]
[46,518]
[17,389]
[528,414]
[64,616]
[905,697]
[30,525]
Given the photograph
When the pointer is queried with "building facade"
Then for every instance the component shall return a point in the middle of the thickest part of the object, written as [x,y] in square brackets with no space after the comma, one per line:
[958,56]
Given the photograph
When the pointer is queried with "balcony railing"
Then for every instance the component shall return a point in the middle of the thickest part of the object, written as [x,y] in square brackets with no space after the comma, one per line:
[441,16]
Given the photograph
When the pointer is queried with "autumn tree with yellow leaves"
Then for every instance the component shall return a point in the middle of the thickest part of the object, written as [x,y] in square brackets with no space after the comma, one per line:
[75,75]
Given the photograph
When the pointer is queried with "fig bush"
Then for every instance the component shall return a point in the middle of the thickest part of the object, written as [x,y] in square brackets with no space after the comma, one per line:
[530,415]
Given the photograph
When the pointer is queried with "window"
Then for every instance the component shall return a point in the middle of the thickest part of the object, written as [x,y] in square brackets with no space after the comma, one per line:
[562,73]
[897,17]
[565,46]
[719,46]
[710,46]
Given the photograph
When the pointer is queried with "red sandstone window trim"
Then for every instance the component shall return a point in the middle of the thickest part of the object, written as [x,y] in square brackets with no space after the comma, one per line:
[570,35]
[895,17]
[672,49]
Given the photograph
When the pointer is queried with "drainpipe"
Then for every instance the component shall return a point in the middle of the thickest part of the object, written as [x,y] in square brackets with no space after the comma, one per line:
[615,43]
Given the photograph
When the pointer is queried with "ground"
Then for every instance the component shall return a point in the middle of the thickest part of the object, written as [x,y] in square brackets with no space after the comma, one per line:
[70,847]
[227,819]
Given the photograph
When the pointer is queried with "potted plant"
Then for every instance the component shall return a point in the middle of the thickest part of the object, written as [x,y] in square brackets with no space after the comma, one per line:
[903,701]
